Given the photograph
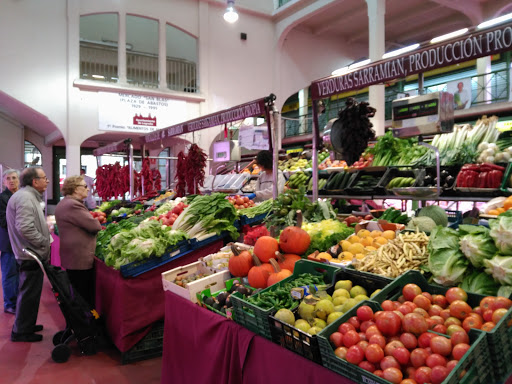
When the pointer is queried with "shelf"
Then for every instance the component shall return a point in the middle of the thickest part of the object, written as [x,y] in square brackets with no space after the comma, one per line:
[393,197]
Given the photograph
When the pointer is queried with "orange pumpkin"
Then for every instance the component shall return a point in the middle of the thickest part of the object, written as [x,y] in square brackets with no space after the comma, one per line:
[265,248]
[259,273]
[240,263]
[294,239]
[278,275]
[287,261]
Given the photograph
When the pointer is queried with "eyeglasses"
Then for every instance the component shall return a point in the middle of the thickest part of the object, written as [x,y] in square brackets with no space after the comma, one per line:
[41,177]
[83,185]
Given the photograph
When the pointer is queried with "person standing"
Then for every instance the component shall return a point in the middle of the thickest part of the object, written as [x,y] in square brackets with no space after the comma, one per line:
[264,185]
[10,276]
[90,202]
[77,231]
[27,228]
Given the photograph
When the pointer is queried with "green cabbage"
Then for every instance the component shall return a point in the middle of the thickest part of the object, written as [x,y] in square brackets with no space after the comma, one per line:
[501,229]
[481,283]
[476,244]
[446,262]
[505,291]
[500,267]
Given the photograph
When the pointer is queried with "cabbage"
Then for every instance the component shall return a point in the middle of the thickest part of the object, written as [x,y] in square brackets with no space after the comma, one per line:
[481,283]
[476,244]
[500,267]
[505,291]
[501,229]
[446,262]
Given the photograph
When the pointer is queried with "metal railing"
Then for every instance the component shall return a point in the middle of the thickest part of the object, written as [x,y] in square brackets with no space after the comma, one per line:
[99,63]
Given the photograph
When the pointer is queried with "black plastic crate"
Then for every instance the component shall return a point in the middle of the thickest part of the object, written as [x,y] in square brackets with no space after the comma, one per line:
[369,190]
[149,347]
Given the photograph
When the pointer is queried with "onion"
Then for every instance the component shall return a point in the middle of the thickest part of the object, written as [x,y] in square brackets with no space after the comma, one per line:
[482,146]
[489,159]
[499,157]
[506,157]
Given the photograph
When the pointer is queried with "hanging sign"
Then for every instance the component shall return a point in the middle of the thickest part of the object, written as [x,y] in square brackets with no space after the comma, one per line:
[122,112]
[254,138]
[475,45]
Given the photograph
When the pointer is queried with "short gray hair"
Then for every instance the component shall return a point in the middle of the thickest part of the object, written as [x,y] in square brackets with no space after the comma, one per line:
[28,175]
[9,171]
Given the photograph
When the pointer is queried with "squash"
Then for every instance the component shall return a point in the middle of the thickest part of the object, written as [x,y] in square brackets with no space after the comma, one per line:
[240,263]
[259,273]
[278,275]
[265,248]
[294,239]
[287,261]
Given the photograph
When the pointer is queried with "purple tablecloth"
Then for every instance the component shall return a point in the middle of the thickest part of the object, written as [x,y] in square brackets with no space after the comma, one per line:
[203,347]
[129,306]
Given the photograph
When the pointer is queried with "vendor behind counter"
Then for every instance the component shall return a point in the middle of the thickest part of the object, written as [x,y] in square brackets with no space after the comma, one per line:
[264,185]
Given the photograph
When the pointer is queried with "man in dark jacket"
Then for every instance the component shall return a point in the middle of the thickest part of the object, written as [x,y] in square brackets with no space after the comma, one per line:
[10,276]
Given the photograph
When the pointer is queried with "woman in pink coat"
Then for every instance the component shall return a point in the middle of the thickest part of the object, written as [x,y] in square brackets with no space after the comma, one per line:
[77,232]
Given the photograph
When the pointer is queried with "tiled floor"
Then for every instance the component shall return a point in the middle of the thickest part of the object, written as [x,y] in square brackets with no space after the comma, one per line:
[31,363]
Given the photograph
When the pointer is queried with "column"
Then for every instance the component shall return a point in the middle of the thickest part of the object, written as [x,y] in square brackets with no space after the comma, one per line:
[483,66]
[121,48]
[376,33]
[72,159]
[303,110]
[162,54]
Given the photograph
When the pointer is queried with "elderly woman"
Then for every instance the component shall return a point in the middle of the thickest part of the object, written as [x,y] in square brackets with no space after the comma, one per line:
[77,232]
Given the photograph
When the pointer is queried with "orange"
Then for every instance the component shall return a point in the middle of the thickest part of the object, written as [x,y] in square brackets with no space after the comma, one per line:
[363,233]
[356,248]
[346,256]
[390,235]
[367,241]
[500,210]
[494,212]
[345,245]
[375,233]
[354,239]
[381,240]
[359,256]
[507,204]
[370,248]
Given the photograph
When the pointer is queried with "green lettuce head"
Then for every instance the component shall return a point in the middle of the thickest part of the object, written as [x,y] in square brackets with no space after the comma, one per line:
[500,267]
[481,283]
[476,244]
[501,228]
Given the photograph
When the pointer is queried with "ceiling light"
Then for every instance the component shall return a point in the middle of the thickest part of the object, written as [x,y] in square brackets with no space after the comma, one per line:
[359,64]
[230,15]
[448,35]
[339,71]
[98,76]
[400,51]
[497,20]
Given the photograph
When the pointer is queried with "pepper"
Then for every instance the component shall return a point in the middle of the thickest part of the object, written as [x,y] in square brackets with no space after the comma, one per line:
[494,178]
[471,167]
[491,167]
[467,179]
[482,180]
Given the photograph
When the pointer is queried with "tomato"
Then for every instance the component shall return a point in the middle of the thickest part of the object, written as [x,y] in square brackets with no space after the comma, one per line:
[498,314]
[362,336]
[487,303]
[452,364]
[488,326]
[372,330]
[422,301]
[445,313]
[378,372]
[401,299]
[437,319]
[345,327]
[501,302]
[388,305]
[460,350]
[472,322]
[451,329]
[246,199]
[377,314]
[460,309]
[336,338]
[351,338]
[418,357]
[410,291]
[436,359]
[487,315]
[456,293]
[354,355]
[378,339]
[439,328]
[391,346]
[389,323]
[399,314]
[364,313]
[404,309]
[409,372]
[440,300]
[341,352]
[435,310]
[393,375]
[374,353]
[439,374]
[239,201]
[355,322]
[424,339]
[441,345]
[408,340]
[389,362]
[452,320]
[408,381]
[423,375]
[402,355]
[459,337]
[365,325]
[367,366]
[415,323]
[363,344]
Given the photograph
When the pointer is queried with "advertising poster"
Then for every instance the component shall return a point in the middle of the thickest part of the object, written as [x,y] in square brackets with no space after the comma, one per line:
[461,91]
[254,138]
[123,112]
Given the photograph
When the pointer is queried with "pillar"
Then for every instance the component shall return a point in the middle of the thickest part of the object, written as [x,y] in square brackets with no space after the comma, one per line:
[121,48]
[376,33]
[303,110]
[72,159]
[483,66]
[162,54]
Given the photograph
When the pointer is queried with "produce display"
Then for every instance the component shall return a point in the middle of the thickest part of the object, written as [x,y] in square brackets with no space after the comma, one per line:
[295,164]
[401,182]
[480,176]
[338,181]
[321,184]
[298,179]
[221,300]
[190,171]
[389,150]
[241,202]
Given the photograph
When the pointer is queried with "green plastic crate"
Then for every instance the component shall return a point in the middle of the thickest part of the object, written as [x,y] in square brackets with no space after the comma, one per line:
[149,347]
[208,293]
[255,318]
[475,361]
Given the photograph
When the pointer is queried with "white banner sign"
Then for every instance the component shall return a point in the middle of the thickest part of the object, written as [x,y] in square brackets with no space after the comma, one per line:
[252,137]
[123,112]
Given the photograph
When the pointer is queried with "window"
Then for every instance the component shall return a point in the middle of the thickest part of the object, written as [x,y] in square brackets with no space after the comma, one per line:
[32,155]
[181,60]
[142,57]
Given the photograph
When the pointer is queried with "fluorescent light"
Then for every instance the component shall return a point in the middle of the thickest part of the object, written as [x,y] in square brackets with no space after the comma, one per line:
[339,71]
[448,35]
[497,20]
[400,51]
[231,16]
[359,64]
[98,76]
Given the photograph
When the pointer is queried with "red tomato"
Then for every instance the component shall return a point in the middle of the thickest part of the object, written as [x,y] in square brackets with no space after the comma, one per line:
[394,375]
[439,328]
[367,366]
[437,319]
[436,359]
[378,339]
[460,350]
[364,313]
[239,201]
[460,309]
[456,293]
[422,301]
[472,322]
[388,305]
[409,372]
[435,310]
[478,310]
[399,314]
[452,364]
[404,309]
[459,337]
[501,302]
[389,362]
[452,320]
[428,296]
[372,330]
[389,323]
[487,315]
[402,355]
[391,346]
[378,372]
[445,313]
[408,340]
[351,338]
[365,325]
[424,339]
[439,374]
[341,352]
[345,327]
[401,299]
[336,338]
[377,314]
[451,329]
[498,314]
[410,291]
[415,324]
[487,303]
[423,375]
[354,355]
[441,345]
[488,326]
[246,199]
[418,357]
[363,344]
[440,300]
[374,353]
[355,322]
[408,381]
[421,312]
[362,336]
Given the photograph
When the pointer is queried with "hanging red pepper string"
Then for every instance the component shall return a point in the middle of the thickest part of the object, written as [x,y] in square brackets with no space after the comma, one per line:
[196,163]
[181,172]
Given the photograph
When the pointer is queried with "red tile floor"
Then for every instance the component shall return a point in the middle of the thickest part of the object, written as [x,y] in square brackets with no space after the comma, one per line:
[31,363]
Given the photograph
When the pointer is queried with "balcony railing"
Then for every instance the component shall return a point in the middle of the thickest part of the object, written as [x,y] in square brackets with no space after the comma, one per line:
[99,62]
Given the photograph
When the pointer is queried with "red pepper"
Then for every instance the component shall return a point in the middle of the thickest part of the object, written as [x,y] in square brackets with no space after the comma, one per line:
[467,179]
[492,167]
[494,179]
[471,167]
[482,180]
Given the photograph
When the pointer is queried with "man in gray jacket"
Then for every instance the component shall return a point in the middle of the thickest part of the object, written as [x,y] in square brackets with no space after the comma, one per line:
[28,229]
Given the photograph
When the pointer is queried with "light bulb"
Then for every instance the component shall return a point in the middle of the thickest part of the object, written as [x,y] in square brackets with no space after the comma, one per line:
[231,16]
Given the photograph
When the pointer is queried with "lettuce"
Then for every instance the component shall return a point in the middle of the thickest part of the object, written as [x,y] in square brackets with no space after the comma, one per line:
[325,234]
[476,244]
[446,262]
[505,291]
[481,283]
[500,267]
[500,232]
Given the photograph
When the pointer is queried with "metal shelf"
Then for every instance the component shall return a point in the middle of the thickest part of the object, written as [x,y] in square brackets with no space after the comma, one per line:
[393,197]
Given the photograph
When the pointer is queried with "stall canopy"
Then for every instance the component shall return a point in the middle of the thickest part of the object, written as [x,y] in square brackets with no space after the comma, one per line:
[478,43]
